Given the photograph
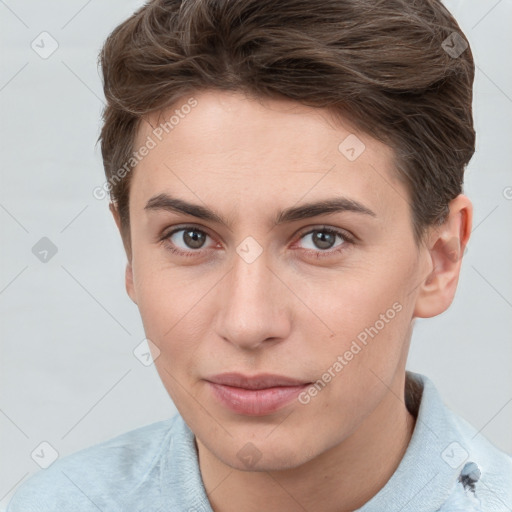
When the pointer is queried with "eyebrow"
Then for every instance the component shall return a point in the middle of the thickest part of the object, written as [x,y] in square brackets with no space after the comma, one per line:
[324,207]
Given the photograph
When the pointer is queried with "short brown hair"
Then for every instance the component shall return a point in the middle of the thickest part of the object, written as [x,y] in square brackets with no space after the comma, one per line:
[382,64]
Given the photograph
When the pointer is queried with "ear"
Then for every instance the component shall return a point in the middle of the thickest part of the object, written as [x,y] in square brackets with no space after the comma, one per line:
[445,246]
[128,275]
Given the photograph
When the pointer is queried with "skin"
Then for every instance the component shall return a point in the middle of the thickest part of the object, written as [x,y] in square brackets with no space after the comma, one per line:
[295,308]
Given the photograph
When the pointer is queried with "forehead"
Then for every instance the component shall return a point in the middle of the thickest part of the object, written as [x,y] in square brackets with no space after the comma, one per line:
[265,150]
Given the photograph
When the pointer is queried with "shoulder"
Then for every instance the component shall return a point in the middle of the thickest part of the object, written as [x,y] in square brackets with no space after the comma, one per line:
[102,476]
[479,468]
[493,467]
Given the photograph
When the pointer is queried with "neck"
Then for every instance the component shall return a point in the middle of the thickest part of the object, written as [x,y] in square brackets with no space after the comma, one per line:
[343,478]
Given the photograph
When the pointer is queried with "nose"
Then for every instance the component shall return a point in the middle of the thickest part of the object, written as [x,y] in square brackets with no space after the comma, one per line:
[253,305]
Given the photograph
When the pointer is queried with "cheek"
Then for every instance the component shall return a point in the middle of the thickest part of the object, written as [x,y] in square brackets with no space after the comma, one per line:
[356,301]
[369,315]
[176,310]
[168,296]
[357,365]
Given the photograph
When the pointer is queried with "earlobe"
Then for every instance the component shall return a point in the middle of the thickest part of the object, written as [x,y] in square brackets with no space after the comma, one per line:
[446,244]
[130,288]
[115,214]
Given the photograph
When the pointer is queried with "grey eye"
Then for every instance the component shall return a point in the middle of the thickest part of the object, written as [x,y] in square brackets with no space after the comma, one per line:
[191,237]
[323,239]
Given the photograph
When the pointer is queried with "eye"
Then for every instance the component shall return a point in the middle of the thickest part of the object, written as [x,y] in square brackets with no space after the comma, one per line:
[321,241]
[325,240]
[186,240]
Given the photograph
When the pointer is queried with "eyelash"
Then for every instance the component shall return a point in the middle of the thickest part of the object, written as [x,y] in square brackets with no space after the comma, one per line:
[347,239]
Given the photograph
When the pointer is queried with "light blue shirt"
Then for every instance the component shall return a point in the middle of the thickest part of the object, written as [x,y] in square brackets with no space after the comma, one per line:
[447,467]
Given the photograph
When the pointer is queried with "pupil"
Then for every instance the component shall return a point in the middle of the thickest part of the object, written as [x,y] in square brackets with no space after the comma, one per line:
[193,239]
[323,239]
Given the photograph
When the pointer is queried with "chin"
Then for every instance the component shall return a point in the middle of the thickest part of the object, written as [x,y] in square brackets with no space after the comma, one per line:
[259,455]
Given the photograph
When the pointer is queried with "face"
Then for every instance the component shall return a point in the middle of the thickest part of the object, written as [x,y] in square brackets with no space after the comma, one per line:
[276,321]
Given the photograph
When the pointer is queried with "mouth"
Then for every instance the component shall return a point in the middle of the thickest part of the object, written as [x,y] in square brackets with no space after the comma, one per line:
[256,395]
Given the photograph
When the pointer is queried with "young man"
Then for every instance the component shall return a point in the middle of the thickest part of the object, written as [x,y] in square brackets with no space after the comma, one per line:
[286,176]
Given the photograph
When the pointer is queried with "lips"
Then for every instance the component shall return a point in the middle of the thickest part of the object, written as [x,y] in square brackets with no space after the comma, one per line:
[255,395]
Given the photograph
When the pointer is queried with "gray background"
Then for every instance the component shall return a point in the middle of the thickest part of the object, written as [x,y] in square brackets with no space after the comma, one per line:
[68,373]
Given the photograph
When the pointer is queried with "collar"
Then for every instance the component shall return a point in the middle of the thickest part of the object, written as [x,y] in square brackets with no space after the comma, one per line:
[431,465]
